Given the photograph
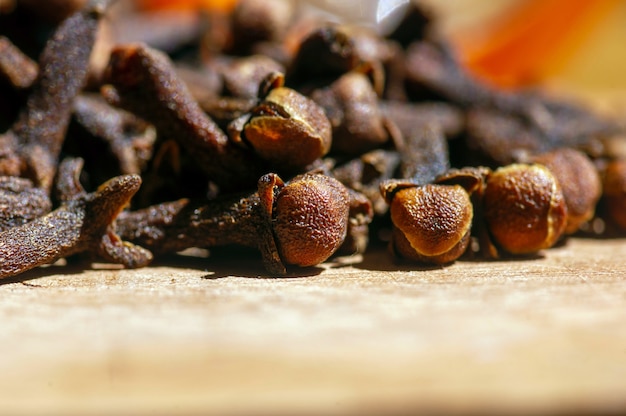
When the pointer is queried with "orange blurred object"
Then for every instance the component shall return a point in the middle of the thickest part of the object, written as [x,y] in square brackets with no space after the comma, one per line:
[219,5]
[532,40]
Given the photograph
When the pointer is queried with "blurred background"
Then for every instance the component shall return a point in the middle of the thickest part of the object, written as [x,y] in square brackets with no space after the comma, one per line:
[573,44]
[576,44]
[569,44]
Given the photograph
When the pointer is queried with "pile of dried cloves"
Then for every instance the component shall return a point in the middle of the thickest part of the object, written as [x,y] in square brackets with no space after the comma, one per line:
[133,134]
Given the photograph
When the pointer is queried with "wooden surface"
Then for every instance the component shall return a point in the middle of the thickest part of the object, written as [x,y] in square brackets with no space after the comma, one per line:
[541,335]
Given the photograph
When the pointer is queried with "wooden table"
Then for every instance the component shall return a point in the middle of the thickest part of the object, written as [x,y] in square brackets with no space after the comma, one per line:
[540,335]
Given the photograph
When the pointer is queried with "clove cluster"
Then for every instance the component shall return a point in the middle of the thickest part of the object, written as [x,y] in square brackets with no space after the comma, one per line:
[126,138]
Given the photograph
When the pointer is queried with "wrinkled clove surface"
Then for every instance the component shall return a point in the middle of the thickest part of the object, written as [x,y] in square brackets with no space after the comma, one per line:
[21,202]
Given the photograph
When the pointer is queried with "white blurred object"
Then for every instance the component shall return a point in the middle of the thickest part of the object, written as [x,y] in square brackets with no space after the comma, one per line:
[382,15]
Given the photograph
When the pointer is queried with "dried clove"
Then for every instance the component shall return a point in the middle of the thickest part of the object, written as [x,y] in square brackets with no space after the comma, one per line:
[409,116]
[524,208]
[241,77]
[393,116]
[494,138]
[286,128]
[333,50]
[301,222]
[365,174]
[614,185]
[83,223]
[431,223]
[15,67]
[32,146]
[351,105]
[424,155]
[143,81]
[111,141]
[579,180]
[518,209]
[258,21]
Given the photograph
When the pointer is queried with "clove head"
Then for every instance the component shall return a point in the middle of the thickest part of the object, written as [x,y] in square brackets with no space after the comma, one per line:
[351,105]
[524,208]
[288,129]
[580,181]
[432,223]
[310,219]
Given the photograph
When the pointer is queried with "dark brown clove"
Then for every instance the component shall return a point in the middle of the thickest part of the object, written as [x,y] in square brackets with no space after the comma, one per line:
[351,105]
[241,77]
[614,185]
[83,223]
[424,155]
[111,141]
[333,50]
[495,138]
[365,174]
[31,148]
[258,21]
[15,67]
[301,222]
[143,81]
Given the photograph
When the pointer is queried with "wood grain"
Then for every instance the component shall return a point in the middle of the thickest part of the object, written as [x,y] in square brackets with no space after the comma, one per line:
[541,335]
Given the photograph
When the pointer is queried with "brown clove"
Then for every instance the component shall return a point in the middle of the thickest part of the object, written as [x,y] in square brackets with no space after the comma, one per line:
[301,222]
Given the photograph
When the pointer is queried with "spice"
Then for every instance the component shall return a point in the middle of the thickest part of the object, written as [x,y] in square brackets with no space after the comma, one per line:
[301,222]
[111,141]
[579,180]
[432,223]
[285,128]
[333,50]
[524,208]
[614,185]
[144,82]
[32,146]
[424,155]
[351,133]
[365,174]
[351,105]
[83,223]
[256,21]
[15,67]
